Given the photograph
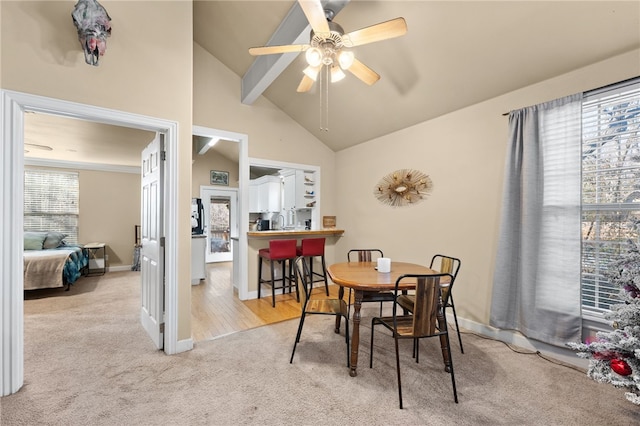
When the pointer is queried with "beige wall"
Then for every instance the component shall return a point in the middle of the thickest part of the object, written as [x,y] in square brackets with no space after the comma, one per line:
[109,210]
[202,166]
[463,153]
[147,69]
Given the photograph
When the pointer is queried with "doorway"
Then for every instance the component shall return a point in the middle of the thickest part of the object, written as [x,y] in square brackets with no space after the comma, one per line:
[221,222]
[234,148]
[14,106]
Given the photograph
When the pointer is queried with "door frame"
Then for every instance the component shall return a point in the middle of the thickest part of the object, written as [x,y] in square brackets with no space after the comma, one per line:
[13,106]
[232,193]
[243,200]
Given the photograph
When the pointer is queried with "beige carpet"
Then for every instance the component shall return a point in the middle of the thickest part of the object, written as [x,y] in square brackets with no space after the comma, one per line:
[88,362]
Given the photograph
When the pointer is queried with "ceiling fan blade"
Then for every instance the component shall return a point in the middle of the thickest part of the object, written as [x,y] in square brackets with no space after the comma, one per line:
[314,12]
[305,84]
[382,31]
[269,50]
[363,72]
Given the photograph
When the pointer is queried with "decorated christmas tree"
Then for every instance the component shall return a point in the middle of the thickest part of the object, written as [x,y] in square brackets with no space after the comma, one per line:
[615,356]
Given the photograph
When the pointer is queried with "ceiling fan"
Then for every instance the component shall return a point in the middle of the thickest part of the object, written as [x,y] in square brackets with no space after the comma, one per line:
[329,46]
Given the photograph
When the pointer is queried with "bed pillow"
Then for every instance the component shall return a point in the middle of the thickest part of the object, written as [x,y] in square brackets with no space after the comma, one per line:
[34,240]
[54,240]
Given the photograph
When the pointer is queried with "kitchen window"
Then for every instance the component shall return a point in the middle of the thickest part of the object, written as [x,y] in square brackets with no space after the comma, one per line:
[51,202]
[610,187]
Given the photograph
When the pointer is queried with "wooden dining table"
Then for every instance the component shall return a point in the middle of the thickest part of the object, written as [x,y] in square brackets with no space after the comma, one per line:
[363,277]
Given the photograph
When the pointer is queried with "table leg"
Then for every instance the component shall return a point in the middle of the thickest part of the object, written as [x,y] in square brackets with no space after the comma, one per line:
[446,355]
[355,334]
[338,317]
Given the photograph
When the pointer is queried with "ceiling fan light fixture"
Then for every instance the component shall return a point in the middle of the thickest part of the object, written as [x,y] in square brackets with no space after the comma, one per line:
[345,59]
[336,74]
[312,72]
[313,56]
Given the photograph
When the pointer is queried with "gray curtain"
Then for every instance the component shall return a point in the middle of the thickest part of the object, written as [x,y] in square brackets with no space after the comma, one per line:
[536,287]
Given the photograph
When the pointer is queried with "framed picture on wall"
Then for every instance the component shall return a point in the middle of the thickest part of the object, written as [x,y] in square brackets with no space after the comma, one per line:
[219,178]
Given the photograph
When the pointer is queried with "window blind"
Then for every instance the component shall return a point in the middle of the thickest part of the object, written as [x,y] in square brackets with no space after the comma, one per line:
[51,201]
[610,186]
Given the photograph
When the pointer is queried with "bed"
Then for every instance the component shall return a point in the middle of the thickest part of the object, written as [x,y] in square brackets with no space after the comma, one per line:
[49,262]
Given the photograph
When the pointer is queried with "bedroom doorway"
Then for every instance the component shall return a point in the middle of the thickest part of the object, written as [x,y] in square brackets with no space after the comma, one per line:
[15,105]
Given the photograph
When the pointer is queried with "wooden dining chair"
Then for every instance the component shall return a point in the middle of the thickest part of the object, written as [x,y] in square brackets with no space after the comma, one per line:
[443,264]
[315,305]
[425,320]
[369,255]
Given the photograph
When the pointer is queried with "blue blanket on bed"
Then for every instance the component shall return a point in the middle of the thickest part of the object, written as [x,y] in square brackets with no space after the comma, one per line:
[76,262]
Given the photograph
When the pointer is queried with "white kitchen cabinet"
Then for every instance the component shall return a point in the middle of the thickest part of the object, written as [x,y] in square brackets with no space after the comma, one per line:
[289,191]
[264,194]
[254,199]
[299,190]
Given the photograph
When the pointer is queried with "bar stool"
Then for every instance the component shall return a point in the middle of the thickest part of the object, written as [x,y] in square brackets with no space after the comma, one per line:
[279,251]
[310,248]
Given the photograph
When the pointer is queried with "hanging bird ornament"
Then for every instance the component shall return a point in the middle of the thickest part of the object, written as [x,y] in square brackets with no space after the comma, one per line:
[94,26]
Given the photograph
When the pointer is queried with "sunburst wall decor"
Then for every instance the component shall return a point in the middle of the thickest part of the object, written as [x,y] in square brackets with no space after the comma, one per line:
[403,187]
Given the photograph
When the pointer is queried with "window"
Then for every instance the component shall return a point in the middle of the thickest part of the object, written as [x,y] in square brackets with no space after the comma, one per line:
[51,202]
[610,186]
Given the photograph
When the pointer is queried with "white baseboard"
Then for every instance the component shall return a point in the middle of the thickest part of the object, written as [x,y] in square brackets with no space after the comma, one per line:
[119,268]
[183,346]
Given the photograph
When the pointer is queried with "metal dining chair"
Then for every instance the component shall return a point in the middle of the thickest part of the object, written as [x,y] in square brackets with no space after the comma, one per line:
[313,305]
[425,320]
[443,264]
[369,255]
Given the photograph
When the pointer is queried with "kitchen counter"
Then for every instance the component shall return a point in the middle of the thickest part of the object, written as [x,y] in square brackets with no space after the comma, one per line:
[295,233]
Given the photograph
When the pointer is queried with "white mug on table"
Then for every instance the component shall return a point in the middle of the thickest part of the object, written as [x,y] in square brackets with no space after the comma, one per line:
[384,264]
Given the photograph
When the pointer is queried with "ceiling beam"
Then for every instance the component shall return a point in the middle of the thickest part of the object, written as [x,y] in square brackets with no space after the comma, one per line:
[294,29]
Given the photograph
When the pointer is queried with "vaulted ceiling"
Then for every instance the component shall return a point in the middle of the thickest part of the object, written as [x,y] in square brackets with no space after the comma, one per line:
[455,54]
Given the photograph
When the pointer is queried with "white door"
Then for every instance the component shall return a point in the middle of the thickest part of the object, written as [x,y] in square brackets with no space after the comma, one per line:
[152,250]
[221,225]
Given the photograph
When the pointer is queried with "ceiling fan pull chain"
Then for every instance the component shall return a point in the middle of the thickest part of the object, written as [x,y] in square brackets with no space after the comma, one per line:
[324,99]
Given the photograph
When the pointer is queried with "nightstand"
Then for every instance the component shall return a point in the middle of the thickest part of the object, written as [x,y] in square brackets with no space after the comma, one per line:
[97,258]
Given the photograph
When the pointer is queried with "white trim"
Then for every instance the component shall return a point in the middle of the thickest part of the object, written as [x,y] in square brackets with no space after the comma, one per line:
[119,268]
[14,105]
[184,345]
[11,297]
[64,164]
[243,200]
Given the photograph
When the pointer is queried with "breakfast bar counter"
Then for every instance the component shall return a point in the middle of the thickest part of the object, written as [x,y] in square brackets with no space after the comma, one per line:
[293,233]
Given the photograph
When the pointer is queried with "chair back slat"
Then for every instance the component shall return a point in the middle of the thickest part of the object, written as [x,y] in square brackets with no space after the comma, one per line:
[448,265]
[365,255]
[425,307]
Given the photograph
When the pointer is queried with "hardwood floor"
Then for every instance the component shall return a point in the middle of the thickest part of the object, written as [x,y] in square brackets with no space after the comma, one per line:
[216,309]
